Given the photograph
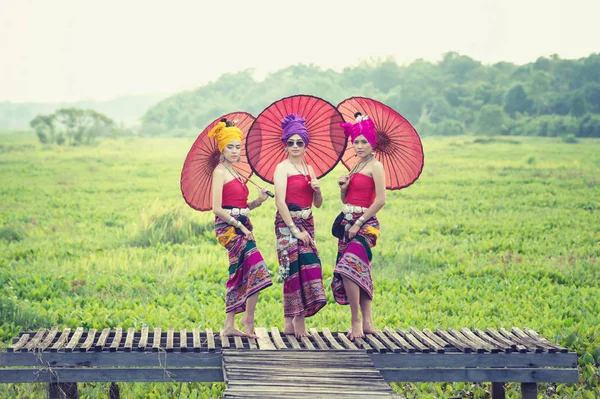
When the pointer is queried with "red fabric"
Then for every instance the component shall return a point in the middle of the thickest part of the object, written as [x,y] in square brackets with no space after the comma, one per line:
[361,190]
[235,194]
[298,191]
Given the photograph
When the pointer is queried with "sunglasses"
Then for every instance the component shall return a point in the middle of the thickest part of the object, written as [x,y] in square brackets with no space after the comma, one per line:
[299,143]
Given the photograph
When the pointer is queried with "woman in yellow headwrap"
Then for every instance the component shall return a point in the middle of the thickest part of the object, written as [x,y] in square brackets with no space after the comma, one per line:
[248,272]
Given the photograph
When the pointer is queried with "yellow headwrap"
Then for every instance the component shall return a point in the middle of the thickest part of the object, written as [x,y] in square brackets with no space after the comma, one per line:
[225,134]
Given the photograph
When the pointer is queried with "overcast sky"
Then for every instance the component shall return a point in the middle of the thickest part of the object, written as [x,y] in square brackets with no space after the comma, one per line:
[67,50]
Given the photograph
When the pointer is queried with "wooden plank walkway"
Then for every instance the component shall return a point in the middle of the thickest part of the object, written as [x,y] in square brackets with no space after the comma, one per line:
[302,374]
[388,340]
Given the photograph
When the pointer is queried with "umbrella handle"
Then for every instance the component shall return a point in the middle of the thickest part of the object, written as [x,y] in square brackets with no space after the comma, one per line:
[269,193]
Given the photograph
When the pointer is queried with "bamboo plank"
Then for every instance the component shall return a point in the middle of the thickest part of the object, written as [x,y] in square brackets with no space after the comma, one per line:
[87,345]
[128,346]
[293,341]
[196,340]
[183,340]
[74,339]
[48,340]
[116,342]
[453,341]
[264,342]
[413,340]
[99,346]
[62,340]
[36,338]
[320,343]
[332,341]
[210,340]
[170,333]
[489,339]
[20,343]
[277,338]
[156,339]
[425,340]
[143,339]
[394,336]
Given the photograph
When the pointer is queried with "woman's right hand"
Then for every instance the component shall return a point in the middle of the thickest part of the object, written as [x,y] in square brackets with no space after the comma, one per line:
[247,233]
[343,182]
[304,237]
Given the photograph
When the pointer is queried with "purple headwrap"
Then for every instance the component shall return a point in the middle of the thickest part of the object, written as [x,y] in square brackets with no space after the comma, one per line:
[294,124]
[363,126]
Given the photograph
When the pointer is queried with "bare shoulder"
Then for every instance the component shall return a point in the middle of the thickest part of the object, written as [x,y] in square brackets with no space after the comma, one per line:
[378,168]
[281,167]
[219,171]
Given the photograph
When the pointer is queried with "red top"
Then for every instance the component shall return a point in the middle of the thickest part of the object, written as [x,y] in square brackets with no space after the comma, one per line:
[361,190]
[235,194]
[298,191]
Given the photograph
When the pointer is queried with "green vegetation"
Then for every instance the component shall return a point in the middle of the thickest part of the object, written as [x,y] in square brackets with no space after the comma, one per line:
[72,126]
[497,232]
[549,97]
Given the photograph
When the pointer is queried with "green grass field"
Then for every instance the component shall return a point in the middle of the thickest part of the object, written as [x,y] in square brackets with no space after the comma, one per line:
[497,232]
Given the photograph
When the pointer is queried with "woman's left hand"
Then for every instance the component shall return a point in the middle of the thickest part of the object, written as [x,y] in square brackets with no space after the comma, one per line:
[262,193]
[353,230]
[316,186]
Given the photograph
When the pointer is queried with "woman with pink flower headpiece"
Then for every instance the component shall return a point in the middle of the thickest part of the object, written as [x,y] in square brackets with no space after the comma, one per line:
[296,191]
[363,194]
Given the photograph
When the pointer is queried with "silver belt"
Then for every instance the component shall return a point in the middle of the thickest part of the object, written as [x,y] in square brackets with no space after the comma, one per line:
[353,209]
[304,214]
[238,211]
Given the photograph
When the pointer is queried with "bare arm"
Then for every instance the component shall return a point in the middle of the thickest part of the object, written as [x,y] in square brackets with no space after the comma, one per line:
[280,180]
[343,182]
[316,186]
[217,195]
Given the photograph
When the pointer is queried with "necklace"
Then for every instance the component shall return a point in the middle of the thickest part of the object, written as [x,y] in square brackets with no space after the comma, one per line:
[235,175]
[358,167]
[305,173]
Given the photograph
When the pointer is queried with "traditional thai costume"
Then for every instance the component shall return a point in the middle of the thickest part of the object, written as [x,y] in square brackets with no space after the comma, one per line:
[248,272]
[354,256]
[300,265]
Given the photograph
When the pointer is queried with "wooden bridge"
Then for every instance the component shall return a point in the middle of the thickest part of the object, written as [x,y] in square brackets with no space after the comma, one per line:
[324,364]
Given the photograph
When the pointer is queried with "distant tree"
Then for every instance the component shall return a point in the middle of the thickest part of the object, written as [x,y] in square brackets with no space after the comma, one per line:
[491,120]
[516,101]
[589,126]
[44,128]
[591,92]
[76,126]
[578,105]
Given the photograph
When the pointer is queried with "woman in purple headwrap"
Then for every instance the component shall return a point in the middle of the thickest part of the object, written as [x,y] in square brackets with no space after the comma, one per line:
[296,190]
[357,228]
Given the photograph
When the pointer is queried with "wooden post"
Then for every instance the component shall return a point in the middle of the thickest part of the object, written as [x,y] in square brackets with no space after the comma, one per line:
[498,390]
[113,391]
[63,390]
[529,390]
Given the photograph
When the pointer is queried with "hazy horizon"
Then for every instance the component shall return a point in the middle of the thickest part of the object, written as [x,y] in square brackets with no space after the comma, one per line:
[68,51]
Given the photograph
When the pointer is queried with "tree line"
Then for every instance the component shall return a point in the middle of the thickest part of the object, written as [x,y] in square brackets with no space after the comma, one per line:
[457,95]
[73,126]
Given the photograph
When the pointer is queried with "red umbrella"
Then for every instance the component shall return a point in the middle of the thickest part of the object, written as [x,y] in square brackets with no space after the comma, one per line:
[203,158]
[265,149]
[398,146]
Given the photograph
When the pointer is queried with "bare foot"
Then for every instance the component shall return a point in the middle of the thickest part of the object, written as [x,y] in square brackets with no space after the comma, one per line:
[356,331]
[288,327]
[248,324]
[230,331]
[368,327]
[299,326]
